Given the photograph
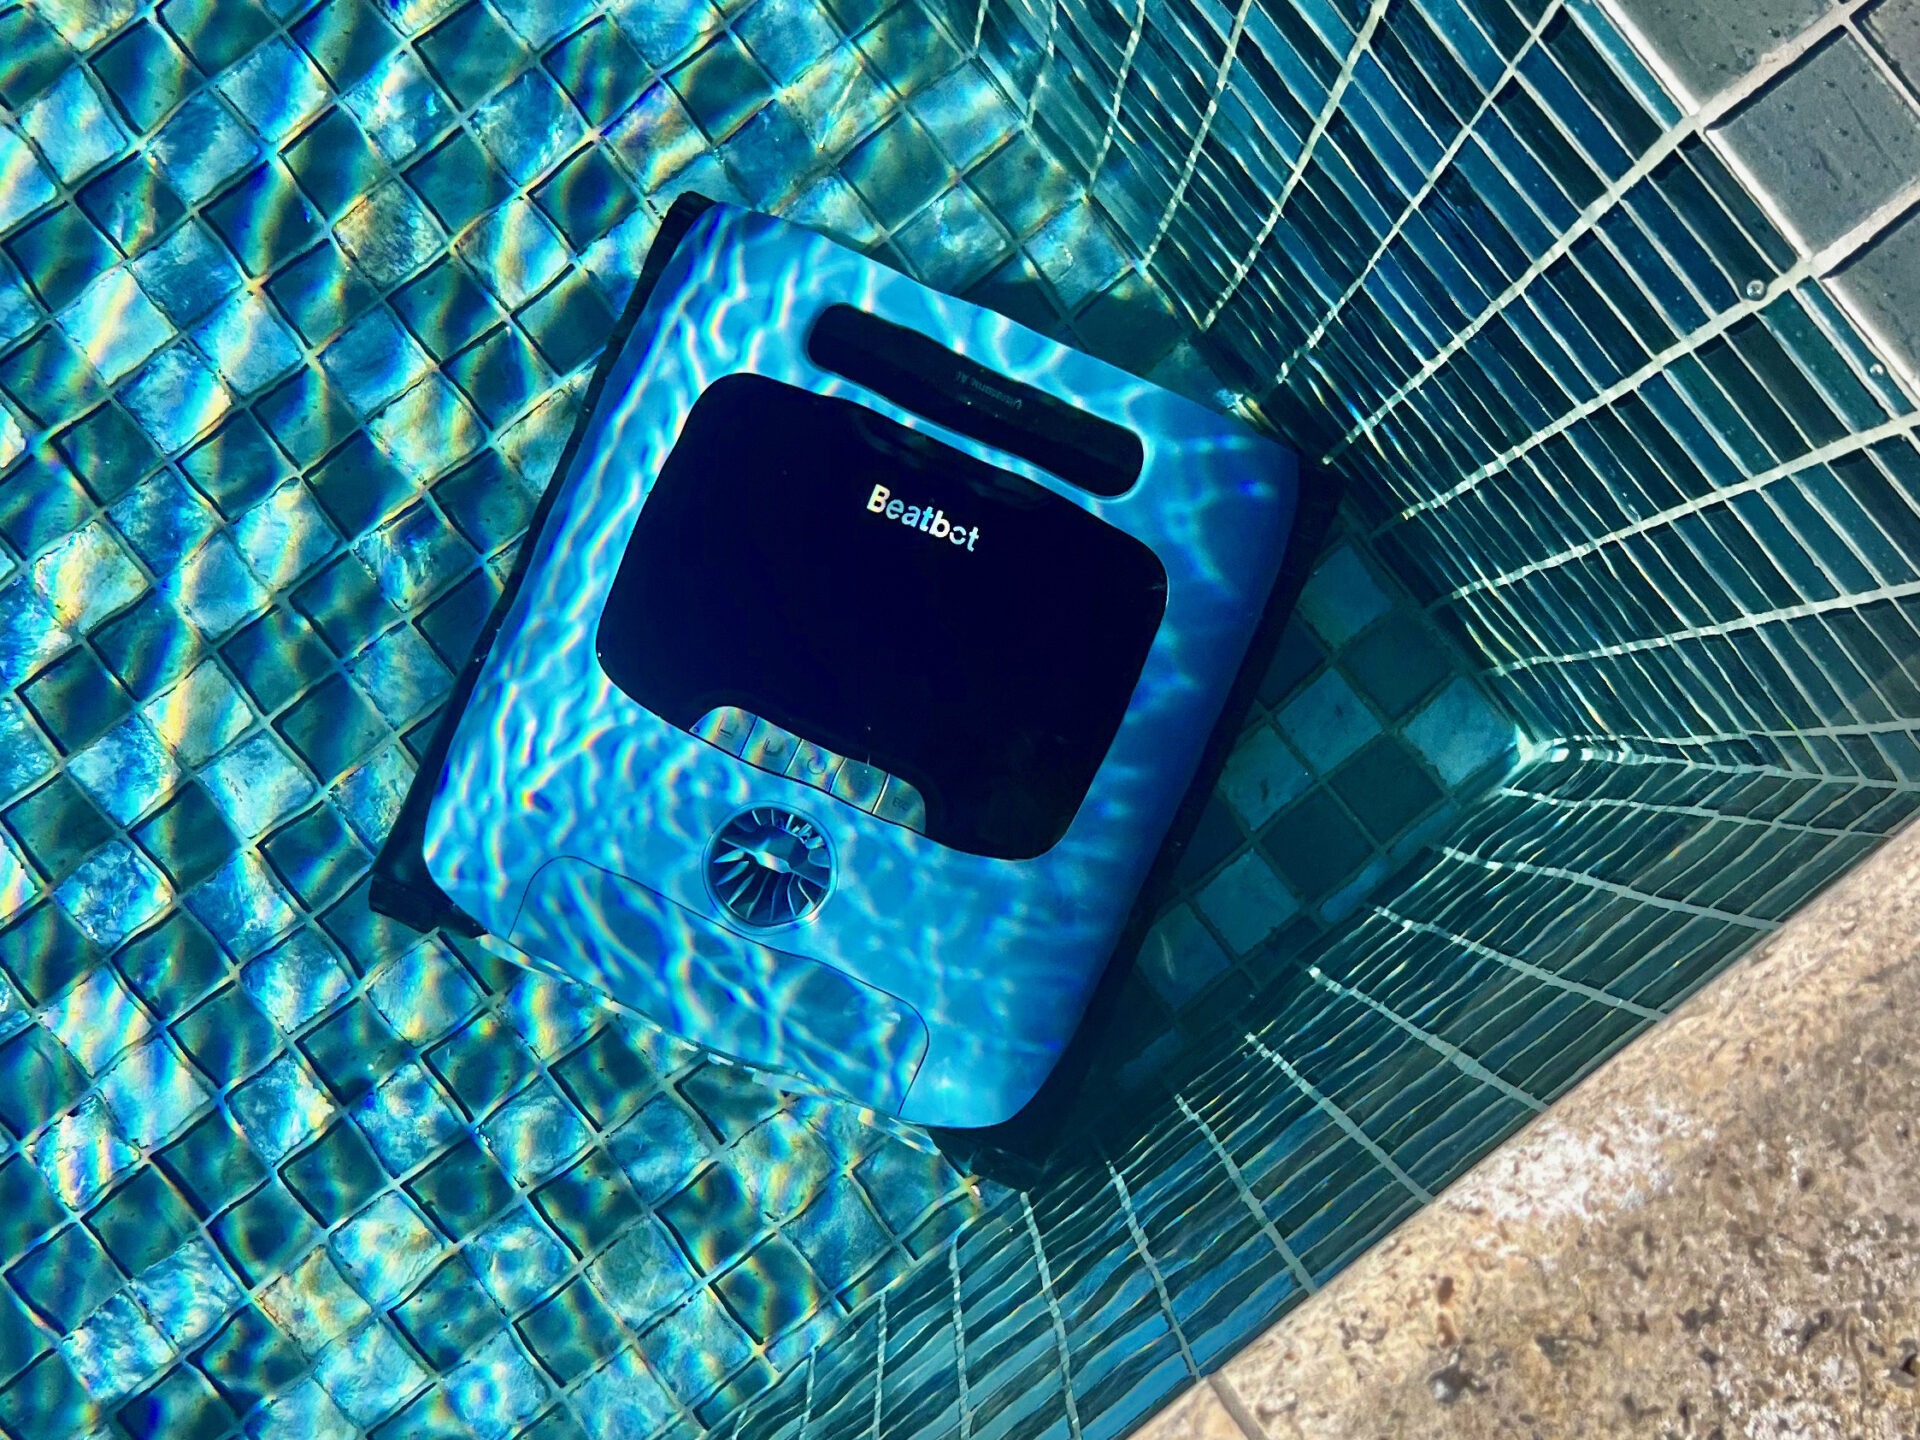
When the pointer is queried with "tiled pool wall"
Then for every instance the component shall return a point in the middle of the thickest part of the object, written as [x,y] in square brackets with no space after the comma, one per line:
[1617,367]
[296,305]
[296,308]
[1367,738]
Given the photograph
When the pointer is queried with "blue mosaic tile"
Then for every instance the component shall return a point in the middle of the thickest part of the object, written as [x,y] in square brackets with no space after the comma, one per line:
[333,290]
[1460,733]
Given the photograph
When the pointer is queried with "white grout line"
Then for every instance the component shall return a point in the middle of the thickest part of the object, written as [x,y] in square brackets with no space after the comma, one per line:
[1611,887]
[1453,1053]
[1145,1252]
[1513,962]
[1375,13]
[1119,90]
[1247,1197]
[1850,444]
[1439,168]
[1061,1347]
[1347,1124]
[1772,64]
[1220,77]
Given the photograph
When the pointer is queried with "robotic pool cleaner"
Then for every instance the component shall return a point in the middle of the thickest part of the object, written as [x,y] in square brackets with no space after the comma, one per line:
[863,649]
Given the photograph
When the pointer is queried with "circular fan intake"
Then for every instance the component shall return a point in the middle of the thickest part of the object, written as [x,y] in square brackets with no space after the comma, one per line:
[769,866]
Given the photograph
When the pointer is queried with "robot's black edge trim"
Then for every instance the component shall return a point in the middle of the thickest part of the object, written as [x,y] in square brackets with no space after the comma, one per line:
[922,375]
[402,887]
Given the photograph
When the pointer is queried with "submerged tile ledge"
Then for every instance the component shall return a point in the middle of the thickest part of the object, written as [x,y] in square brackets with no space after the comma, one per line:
[1714,1234]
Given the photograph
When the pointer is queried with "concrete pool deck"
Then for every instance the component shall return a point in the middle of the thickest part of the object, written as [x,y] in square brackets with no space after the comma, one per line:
[1717,1234]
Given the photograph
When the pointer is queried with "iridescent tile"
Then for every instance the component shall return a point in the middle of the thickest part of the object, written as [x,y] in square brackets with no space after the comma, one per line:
[276,88]
[200,716]
[19,887]
[285,535]
[833,207]
[385,1249]
[369,1373]
[370,797]
[839,1235]
[397,106]
[497,1390]
[25,755]
[666,32]
[552,1013]
[73,126]
[81,1152]
[214,589]
[402,674]
[163,520]
[188,1293]
[256,784]
[534,1134]
[85,23]
[614,260]
[296,980]
[13,440]
[202,147]
[405,1119]
[838,100]
[302,1412]
[127,771]
[413,16]
[24,186]
[1078,254]
[152,1092]
[623,1397]
[514,251]
[540,21]
[535,442]
[243,906]
[247,343]
[115,1350]
[313,1302]
[188,273]
[954,241]
[114,893]
[424,993]
[643,1274]
[114,324]
[781,1166]
[96,1020]
[786,36]
[770,155]
[176,397]
[428,430]
[29,634]
[281,1108]
[86,577]
[696,1347]
[528,125]
[658,1148]
[656,137]
[374,360]
[517,1259]
[966,115]
[390,234]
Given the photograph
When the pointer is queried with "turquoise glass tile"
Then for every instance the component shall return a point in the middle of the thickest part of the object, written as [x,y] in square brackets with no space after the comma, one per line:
[283,282]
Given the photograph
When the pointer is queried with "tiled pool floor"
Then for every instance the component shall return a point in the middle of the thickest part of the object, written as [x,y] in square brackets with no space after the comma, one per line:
[296,305]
